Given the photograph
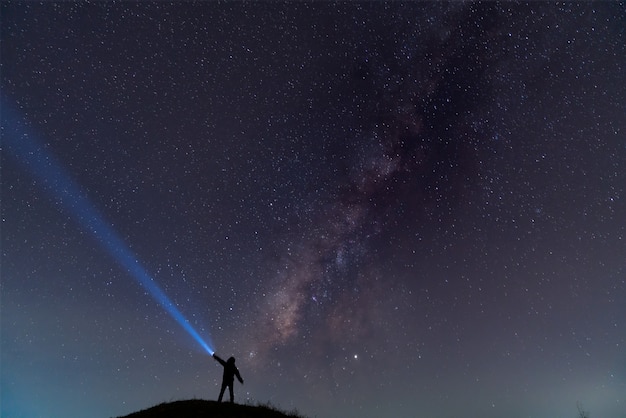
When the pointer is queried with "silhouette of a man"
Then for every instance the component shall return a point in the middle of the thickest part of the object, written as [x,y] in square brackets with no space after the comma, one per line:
[228,378]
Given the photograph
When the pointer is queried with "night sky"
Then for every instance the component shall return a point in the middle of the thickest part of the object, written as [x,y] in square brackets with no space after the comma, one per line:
[380,209]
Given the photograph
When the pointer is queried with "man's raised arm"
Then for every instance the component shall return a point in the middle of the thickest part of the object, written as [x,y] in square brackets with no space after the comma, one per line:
[219,359]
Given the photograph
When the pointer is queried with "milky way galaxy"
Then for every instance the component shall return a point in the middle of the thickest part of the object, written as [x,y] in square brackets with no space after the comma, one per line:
[409,209]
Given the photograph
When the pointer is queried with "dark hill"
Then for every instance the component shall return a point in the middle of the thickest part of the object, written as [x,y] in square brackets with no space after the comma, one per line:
[197,408]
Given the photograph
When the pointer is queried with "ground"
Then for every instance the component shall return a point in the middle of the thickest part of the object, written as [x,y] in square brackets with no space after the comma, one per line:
[200,408]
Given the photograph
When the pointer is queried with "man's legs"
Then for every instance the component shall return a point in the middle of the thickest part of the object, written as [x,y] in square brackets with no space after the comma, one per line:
[222,391]
[232,395]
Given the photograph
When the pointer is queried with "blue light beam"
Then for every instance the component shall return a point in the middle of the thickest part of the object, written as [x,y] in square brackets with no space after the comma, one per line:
[20,141]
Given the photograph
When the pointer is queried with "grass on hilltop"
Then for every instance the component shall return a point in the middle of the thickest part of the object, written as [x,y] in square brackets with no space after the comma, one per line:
[198,408]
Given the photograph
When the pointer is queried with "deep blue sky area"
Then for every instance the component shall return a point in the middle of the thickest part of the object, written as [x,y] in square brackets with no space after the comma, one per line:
[381,209]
